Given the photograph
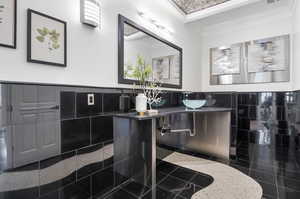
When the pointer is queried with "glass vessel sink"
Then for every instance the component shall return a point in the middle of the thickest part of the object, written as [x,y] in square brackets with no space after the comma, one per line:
[194,104]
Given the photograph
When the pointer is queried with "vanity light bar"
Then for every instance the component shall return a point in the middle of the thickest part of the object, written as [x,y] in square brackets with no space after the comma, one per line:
[154,22]
[90,12]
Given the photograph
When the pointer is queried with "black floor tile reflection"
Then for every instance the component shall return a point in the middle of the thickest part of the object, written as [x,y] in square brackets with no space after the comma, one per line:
[285,193]
[166,167]
[160,176]
[269,190]
[183,173]
[159,193]
[119,193]
[190,190]
[289,183]
[172,184]
[136,189]
[20,194]
[78,190]
[105,181]
[262,176]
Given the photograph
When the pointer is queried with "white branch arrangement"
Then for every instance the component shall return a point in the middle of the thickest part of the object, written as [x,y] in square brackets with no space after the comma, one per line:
[152,92]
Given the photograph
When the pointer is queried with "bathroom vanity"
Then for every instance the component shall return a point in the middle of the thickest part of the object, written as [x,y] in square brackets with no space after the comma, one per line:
[205,130]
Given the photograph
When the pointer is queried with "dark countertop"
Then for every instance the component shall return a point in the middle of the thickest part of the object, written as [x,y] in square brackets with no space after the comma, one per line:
[169,111]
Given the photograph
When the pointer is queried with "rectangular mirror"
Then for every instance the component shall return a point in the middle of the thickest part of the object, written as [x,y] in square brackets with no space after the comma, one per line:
[163,57]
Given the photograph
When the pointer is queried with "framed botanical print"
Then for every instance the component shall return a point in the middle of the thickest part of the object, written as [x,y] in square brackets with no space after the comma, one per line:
[8,23]
[47,39]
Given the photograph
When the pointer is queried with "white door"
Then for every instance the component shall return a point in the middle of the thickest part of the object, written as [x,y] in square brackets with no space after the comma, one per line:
[35,122]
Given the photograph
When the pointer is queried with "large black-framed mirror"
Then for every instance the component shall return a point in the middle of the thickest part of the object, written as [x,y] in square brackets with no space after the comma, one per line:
[164,57]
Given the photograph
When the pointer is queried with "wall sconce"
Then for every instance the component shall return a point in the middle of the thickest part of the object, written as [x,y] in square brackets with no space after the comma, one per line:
[154,22]
[90,12]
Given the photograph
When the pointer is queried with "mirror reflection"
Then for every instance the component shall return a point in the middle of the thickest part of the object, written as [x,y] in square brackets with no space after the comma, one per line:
[162,60]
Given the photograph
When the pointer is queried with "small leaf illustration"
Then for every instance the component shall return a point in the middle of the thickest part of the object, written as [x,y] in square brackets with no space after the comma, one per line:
[40,31]
[40,38]
[45,30]
[55,45]
[53,39]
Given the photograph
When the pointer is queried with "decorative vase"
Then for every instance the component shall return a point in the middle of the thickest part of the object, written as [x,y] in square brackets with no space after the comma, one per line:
[141,103]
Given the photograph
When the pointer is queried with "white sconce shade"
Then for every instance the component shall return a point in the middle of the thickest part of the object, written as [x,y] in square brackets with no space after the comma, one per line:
[90,12]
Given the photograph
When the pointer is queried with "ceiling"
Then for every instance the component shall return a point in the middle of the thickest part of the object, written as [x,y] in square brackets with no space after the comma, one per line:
[191,6]
[194,10]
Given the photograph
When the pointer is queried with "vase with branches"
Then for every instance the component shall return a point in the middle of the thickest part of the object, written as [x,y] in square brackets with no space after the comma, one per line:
[142,72]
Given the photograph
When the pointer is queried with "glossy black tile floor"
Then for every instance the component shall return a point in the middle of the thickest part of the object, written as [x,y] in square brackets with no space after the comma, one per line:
[173,182]
[279,177]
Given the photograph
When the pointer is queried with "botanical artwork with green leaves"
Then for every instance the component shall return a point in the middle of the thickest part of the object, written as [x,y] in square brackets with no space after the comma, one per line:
[49,37]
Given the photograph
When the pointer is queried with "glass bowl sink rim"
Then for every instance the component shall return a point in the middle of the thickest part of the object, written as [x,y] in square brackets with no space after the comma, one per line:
[200,104]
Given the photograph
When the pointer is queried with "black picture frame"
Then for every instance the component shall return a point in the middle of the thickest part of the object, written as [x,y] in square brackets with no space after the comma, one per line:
[121,22]
[14,46]
[29,26]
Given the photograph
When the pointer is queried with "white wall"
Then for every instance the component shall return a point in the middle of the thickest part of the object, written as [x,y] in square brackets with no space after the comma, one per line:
[253,22]
[92,54]
[296,49]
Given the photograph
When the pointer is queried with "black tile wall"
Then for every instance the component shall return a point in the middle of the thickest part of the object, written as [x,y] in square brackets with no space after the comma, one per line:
[86,167]
[79,190]
[102,129]
[268,145]
[84,109]
[265,136]
[75,134]
[67,104]
[111,102]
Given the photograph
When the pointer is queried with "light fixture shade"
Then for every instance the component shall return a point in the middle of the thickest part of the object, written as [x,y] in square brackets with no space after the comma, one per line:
[154,22]
[90,12]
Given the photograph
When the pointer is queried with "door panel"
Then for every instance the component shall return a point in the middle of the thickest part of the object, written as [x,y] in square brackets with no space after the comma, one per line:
[26,148]
[36,120]
[24,101]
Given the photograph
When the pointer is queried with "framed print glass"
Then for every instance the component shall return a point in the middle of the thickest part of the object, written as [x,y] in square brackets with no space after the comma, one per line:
[8,23]
[166,69]
[264,60]
[266,55]
[226,60]
[47,39]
